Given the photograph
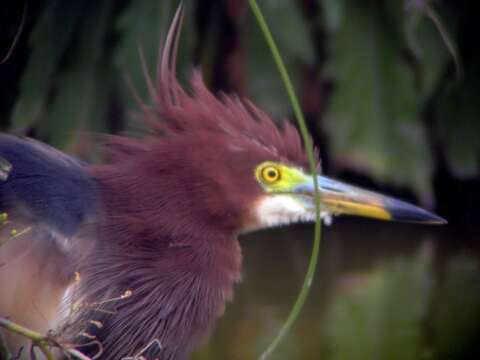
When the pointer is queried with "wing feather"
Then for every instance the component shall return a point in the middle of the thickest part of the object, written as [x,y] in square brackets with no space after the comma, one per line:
[51,195]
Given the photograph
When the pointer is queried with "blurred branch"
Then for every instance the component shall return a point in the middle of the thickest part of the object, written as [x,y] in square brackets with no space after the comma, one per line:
[424,7]
[44,343]
[36,338]
[17,36]
[449,43]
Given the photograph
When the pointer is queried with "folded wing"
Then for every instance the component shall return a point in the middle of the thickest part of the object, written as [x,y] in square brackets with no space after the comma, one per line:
[48,196]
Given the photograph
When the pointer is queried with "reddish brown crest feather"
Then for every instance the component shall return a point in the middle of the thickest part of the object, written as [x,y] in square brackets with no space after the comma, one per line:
[176,110]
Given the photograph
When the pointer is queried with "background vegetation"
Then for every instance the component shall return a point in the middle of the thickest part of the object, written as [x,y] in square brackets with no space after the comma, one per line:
[390,88]
[391,92]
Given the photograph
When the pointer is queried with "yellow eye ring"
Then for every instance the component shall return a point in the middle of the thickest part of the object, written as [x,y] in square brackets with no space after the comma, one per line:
[270,174]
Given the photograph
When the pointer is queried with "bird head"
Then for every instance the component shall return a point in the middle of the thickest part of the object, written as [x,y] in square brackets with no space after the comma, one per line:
[238,169]
[255,186]
[290,197]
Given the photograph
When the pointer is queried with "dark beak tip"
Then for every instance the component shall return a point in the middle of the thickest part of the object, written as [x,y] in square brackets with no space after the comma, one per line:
[435,220]
[441,221]
[405,212]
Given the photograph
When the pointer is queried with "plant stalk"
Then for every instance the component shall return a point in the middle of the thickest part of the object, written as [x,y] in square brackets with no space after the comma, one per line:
[307,283]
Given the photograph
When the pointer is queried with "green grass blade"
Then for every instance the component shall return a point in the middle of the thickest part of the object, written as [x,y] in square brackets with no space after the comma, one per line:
[302,296]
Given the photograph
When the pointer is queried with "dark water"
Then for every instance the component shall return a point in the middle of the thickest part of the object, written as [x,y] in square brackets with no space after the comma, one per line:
[381,291]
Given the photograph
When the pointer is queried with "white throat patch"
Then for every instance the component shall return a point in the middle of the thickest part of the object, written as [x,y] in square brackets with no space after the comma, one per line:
[283,209]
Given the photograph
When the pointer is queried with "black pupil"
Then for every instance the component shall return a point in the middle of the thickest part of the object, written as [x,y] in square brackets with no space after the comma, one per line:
[272,174]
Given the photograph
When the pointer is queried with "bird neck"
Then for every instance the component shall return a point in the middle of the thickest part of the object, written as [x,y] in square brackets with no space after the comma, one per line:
[150,292]
[162,303]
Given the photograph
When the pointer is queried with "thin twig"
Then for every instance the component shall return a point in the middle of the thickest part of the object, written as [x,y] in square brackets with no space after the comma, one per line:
[45,351]
[17,36]
[77,354]
[44,343]
[15,234]
[449,43]
[36,338]
[21,330]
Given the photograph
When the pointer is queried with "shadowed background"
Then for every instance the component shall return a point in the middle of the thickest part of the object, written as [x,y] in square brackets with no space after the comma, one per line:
[386,105]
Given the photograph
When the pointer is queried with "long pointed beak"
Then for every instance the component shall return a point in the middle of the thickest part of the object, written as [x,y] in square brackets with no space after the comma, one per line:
[340,198]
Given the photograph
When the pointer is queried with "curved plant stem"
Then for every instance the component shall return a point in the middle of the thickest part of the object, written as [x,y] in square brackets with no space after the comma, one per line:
[449,43]
[39,340]
[302,296]
[43,348]
[36,338]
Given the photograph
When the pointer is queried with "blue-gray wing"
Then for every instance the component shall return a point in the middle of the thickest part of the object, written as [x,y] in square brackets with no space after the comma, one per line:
[51,195]
[52,187]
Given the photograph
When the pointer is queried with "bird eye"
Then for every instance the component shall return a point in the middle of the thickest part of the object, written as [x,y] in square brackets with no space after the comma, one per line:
[270,174]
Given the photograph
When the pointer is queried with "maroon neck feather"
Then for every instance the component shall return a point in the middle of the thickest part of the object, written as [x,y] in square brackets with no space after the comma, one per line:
[180,273]
[179,268]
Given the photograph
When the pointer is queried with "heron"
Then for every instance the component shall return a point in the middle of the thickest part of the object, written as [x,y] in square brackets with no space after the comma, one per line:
[143,248]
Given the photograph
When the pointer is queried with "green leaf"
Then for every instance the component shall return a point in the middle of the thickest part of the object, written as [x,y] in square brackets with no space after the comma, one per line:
[291,30]
[142,26]
[427,46]
[73,107]
[333,13]
[373,117]
[49,40]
